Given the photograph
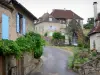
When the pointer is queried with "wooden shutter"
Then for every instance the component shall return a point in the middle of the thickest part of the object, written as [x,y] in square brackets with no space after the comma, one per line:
[17,23]
[24,26]
[5,26]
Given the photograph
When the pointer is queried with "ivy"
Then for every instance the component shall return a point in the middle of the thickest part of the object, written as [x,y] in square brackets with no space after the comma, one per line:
[9,47]
[37,43]
[31,42]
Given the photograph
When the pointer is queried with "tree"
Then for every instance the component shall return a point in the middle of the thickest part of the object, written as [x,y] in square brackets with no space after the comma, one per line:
[90,23]
[74,27]
[57,35]
[58,38]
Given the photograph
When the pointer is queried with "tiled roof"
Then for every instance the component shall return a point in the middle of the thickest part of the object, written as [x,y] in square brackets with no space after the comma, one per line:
[26,11]
[95,29]
[67,14]
[45,18]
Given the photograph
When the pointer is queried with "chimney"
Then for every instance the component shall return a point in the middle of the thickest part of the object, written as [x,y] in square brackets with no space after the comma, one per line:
[65,9]
[95,11]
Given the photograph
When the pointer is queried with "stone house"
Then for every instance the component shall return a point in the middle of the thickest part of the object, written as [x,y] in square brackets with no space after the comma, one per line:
[95,36]
[15,21]
[58,20]
[48,24]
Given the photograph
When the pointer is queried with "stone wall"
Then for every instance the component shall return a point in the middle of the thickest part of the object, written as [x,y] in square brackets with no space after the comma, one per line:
[90,68]
[23,66]
[12,21]
[28,63]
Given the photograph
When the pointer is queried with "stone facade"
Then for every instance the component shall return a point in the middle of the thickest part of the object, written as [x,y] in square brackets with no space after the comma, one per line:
[12,21]
[23,66]
[44,27]
[9,65]
[29,64]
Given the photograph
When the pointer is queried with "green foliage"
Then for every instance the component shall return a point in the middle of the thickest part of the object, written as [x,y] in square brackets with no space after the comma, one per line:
[84,44]
[79,57]
[80,44]
[46,34]
[9,47]
[70,65]
[38,52]
[88,26]
[58,39]
[62,37]
[37,43]
[25,43]
[31,42]
[94,53]
[58,35]
[90,23]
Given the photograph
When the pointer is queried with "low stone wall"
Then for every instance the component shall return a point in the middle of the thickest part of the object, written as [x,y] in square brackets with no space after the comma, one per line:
[90,68]
[28,63]
[23,66]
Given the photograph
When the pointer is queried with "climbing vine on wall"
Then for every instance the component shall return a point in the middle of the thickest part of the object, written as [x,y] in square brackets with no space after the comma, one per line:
[31,42]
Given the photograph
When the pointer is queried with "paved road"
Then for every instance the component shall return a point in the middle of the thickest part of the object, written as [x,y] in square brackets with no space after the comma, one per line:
[54,62]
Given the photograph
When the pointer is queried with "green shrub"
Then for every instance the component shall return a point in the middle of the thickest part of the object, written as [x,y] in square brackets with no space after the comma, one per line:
[46,34]
[37,43]
[31,42]
[9,47]
[25,43]
[56,35]
[38,52]
[78,58]
[62,37]
[70,60]
[94,53]
[80,44]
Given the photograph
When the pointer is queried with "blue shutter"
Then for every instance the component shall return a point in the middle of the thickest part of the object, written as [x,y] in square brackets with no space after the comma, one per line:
[24,26]
[17,23]
[5,26]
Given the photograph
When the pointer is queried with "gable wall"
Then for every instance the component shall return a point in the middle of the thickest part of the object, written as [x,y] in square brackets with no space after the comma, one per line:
[44,27]
[96,38]
[12,22]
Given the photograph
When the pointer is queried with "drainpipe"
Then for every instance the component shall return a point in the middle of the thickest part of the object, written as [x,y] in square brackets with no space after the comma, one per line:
[95,11]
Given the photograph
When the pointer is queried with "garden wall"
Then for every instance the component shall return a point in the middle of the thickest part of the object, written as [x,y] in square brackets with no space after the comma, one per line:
[91,68]
[23,66]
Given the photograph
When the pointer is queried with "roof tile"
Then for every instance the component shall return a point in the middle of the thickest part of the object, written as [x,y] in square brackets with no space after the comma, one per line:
[68,14]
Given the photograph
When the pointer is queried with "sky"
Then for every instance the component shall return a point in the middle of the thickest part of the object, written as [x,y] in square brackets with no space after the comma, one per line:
[83,8]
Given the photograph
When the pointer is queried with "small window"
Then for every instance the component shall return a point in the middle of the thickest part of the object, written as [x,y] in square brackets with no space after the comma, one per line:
[50,19]
[19,23]
[94,45]
[50,26]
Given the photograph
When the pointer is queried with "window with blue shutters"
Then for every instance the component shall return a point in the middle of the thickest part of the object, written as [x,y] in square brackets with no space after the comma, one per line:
[19,23]
[5,26]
